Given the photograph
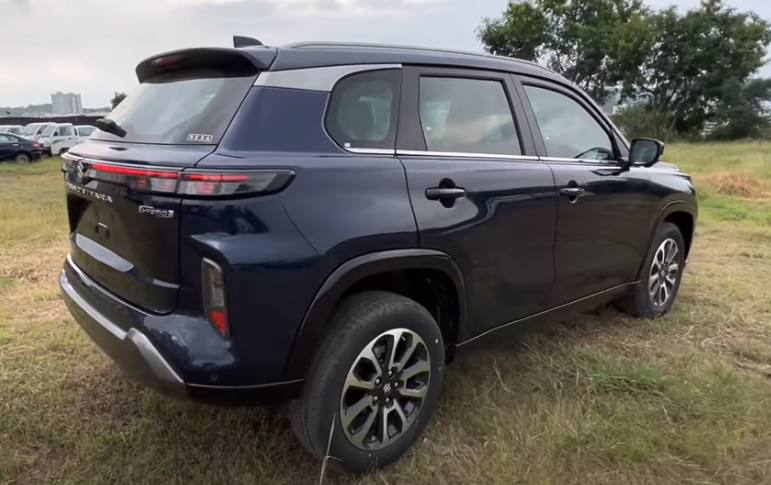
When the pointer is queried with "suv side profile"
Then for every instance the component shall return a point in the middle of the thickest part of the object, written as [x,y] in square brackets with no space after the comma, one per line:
[329,224]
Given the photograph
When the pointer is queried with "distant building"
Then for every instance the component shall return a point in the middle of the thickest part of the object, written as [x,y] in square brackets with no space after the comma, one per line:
[66,104]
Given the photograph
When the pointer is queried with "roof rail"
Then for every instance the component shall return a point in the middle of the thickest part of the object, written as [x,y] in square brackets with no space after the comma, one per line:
[357,45]
[241,41]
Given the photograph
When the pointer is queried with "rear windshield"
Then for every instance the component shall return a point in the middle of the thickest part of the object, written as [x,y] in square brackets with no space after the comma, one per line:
[191,107]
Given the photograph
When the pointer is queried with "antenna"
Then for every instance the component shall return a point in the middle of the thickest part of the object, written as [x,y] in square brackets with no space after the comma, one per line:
[241,41]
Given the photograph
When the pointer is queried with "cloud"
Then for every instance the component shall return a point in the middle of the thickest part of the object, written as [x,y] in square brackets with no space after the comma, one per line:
[93,46]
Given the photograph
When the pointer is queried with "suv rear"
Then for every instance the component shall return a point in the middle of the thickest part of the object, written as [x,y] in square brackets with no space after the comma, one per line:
[250,225]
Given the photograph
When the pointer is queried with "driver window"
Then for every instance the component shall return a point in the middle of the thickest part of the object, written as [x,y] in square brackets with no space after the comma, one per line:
[568,130]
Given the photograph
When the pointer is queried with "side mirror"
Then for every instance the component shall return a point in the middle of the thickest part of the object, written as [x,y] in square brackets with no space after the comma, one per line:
[645,152]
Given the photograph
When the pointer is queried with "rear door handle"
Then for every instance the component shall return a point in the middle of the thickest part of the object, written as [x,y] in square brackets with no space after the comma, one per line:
[439,193]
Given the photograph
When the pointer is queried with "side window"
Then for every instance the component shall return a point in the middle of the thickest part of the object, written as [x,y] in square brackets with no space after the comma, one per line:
[58,132]
[4,138]
[363,110]
[467,115]
[65,131]
[568,130]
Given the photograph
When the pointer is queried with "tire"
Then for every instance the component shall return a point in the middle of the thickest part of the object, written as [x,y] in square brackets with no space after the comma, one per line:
[642,301]
[361,321]
[22,158]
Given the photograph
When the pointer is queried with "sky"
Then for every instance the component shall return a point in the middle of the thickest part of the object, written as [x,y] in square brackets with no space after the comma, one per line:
[91,47]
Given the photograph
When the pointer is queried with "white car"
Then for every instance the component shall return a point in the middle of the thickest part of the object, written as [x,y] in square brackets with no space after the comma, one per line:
[58,138]
[82,132]
[13,129]
[33,130]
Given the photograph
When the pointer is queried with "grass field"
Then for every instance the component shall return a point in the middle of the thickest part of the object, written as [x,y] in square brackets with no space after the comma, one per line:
[602,399]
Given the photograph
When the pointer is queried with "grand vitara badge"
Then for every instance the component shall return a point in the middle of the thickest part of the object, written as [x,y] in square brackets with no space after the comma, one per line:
[152,211]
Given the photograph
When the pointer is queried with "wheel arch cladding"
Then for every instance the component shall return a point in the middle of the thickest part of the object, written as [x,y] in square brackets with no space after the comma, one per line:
[685,223]
[429,277]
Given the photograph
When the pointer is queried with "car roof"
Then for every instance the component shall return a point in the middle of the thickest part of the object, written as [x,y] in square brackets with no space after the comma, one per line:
[322,54]
[325,54]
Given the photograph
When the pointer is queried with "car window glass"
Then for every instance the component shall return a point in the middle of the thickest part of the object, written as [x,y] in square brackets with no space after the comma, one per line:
[4,138]
[467,115]
[363,109]
[567,128]
[66,130]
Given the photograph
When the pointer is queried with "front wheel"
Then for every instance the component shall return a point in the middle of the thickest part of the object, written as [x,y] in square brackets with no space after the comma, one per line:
[374,383]
[659,277]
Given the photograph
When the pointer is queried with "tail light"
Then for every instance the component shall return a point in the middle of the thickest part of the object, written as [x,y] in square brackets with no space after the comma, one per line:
[213,286]
[163,180]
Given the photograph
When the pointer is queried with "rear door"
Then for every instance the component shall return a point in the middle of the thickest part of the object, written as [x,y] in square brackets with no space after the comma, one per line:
[478,191]
[122,191]
[605,207]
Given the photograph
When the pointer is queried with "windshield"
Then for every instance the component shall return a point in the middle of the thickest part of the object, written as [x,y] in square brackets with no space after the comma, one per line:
[192,107]
[30,129]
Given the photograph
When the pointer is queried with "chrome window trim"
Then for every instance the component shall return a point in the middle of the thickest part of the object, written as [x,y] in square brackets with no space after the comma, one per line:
[316,78]
[579,160]
[497,156]
[371,151]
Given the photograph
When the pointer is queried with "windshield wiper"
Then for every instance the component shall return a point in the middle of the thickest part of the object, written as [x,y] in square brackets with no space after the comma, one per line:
[110,126]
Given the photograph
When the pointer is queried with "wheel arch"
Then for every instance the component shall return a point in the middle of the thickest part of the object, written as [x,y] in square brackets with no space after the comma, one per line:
[680,213]
[358,274]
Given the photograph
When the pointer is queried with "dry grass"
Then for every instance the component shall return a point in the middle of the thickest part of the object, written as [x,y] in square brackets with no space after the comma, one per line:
[602,399]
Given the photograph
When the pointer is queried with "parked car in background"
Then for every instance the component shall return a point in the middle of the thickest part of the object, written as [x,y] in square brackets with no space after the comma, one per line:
[57,138]
[15,129]
[18,149]
[82,132]
[33,131]
[331,224]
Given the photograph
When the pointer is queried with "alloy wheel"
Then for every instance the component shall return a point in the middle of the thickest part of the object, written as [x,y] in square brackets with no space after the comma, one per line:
[22,158]
[385,389]
[664,272]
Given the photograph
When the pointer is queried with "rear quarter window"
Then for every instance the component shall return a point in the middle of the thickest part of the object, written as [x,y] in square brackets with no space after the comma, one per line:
[363,110]
[187,107]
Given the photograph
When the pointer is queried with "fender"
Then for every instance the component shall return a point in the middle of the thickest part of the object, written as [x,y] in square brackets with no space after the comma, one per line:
[349,273]
[677,205]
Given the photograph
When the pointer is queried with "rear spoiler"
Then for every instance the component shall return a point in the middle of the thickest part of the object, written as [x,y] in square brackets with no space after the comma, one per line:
[238,61]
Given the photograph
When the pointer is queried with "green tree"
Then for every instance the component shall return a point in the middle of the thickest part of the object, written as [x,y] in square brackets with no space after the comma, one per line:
[684,65]
[579,40]
[117,98]
[741,111]
[691,57]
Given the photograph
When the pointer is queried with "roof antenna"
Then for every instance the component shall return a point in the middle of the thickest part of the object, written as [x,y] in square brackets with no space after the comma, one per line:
[241,41]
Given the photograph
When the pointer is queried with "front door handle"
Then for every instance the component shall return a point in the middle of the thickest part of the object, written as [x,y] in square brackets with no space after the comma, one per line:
[439,193]
[572,191]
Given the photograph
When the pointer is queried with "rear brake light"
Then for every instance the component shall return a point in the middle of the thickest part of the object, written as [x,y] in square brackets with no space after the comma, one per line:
[213,287]
[165,180]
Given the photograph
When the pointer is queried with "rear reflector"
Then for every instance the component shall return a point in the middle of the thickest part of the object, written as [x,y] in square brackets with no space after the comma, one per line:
[164,180]
[213,287]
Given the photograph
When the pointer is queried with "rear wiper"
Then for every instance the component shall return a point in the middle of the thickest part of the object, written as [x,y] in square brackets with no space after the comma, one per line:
[110,126]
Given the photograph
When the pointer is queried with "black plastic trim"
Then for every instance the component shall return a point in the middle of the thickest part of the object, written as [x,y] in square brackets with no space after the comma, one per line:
[349,273]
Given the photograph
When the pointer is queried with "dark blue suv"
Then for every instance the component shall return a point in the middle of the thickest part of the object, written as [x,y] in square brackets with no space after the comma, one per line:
[329,224]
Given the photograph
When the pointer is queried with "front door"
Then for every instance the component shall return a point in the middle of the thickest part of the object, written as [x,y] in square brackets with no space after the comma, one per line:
[478,192]
[604,208]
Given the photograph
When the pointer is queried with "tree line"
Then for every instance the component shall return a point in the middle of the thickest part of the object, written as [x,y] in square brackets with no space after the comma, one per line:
[682,75]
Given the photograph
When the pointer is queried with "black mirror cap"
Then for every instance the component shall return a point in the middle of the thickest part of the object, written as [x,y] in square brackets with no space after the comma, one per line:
[645,152]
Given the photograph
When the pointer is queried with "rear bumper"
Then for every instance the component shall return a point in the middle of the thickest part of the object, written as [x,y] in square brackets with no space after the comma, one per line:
[132,350]
[139,349]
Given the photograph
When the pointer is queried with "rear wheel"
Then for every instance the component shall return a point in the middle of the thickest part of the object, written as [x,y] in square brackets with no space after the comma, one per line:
[22,158]
[659,277]
[374,383]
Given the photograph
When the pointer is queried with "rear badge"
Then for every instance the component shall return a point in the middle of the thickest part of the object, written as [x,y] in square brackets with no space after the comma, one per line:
[203,138]
[88,192]
[152,211]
